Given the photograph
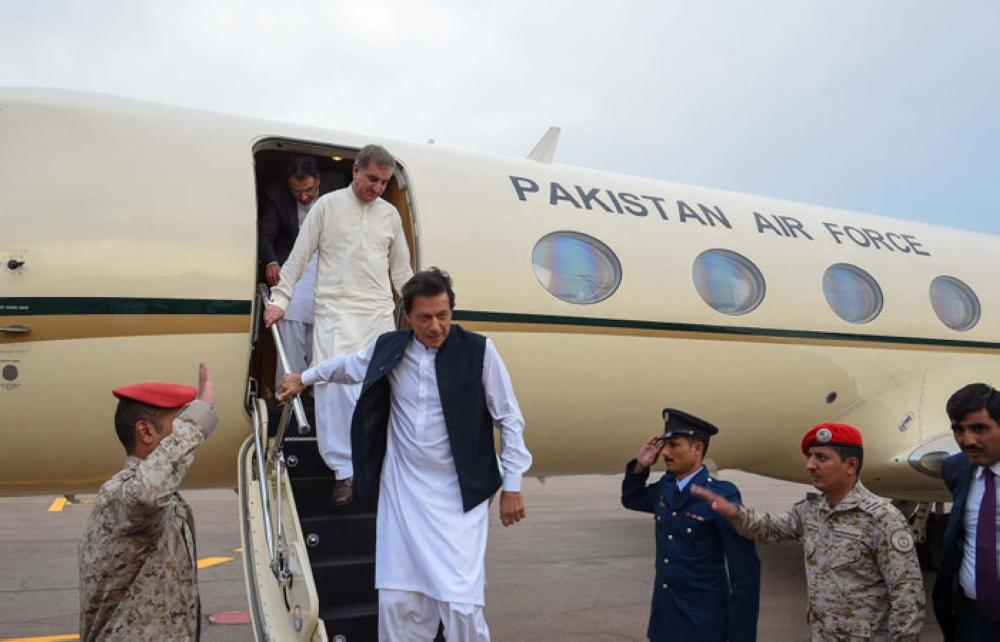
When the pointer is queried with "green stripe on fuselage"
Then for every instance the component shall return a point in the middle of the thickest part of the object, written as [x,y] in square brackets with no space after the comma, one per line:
[39,306]
[722,330]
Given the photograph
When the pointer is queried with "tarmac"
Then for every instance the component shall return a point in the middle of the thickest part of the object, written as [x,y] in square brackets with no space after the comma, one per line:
[578,568]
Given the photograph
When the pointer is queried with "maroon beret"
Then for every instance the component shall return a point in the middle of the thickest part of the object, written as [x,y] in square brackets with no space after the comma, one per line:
[160,395]
[831,435]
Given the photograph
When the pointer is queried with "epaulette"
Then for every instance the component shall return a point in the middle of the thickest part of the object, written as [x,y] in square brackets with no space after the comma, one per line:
[810,498]
[871,503]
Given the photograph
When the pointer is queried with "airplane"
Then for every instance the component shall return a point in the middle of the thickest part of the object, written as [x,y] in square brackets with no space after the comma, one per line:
[128,253]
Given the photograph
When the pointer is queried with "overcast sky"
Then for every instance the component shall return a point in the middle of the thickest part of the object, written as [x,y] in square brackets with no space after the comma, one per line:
[887,107]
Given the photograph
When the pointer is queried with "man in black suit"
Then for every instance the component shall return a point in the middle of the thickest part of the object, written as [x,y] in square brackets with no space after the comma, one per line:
[283,209]
[967,590]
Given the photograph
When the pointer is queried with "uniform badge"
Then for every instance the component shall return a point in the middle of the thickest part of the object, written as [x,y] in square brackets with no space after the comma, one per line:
[694,517]
[902,540]
[824,436]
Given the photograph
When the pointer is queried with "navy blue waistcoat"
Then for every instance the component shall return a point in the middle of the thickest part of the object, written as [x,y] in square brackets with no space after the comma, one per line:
[459,368]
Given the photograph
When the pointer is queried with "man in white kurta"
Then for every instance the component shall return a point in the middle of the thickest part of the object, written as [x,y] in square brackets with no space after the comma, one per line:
[429,562]
[362,249]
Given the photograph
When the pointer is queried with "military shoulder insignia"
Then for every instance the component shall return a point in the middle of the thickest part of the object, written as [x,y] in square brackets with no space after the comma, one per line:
[902,540]
[872,504]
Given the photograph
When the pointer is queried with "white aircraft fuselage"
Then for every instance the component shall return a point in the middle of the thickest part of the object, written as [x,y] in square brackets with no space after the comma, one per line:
[129,249]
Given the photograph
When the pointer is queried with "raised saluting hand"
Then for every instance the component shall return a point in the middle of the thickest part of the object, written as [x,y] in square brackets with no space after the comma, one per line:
[648,453]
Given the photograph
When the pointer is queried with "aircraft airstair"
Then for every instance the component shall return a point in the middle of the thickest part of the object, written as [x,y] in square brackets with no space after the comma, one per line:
[309,567]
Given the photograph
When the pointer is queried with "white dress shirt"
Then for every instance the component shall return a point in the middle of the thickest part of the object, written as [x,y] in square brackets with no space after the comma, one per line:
[970,520]
[425,541]
[682,483]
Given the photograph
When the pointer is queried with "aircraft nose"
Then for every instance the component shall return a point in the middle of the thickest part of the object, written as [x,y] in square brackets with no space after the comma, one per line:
[928,458]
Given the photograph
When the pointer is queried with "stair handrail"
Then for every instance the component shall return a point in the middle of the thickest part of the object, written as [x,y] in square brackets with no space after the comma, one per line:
[270,462]
[264,296]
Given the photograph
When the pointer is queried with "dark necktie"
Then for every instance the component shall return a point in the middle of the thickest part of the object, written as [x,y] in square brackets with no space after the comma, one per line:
[987,580]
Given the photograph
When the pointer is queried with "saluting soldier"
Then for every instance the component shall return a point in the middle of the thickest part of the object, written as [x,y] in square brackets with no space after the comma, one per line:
[862,574]
[707,575]
[138,570]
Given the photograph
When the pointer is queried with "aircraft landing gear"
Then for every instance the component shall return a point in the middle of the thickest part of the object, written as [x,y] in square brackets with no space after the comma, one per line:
[927,521]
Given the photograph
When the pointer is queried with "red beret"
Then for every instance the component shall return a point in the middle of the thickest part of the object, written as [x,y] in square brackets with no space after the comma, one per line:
[160,395]
[831,435]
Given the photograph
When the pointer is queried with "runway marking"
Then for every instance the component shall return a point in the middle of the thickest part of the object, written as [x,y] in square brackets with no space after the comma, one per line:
[206,562]
[45,638]
[230,617]
[58,504]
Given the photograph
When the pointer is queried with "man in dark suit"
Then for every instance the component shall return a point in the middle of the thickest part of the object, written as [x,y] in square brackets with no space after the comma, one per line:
[707,576]
[283,209]
[967,590]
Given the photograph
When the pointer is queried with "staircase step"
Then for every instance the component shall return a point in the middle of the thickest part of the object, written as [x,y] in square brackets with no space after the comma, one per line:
[305,455]
[345,580]
[329,536]
[312,498]
[344,561]
[356,622]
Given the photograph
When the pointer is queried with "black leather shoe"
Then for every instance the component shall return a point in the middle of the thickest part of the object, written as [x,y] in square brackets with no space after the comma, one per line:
[343,491]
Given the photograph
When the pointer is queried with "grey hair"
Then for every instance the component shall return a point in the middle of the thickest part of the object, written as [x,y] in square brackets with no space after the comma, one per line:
[374,154]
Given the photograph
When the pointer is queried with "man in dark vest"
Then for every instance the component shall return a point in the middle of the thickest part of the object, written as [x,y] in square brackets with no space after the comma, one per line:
[423,430]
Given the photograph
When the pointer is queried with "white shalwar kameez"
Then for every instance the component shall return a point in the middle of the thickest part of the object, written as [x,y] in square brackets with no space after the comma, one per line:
[429,554]
[361,247]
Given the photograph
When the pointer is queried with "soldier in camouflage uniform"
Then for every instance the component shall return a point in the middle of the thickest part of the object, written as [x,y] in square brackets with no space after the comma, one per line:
[862,574]
[138,565]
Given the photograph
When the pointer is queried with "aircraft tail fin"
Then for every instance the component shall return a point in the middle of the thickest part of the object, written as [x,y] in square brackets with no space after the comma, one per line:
[545,148]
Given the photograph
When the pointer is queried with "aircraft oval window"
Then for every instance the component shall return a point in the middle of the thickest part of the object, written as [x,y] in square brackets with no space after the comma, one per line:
[954,303]
[727,281]
[852,293]
[575,267]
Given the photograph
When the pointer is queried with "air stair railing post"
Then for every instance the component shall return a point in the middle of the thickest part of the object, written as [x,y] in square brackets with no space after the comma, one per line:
[258,443]
[279,565]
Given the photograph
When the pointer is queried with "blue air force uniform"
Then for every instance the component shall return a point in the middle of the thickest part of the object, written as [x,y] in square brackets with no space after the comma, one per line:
[707,584]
